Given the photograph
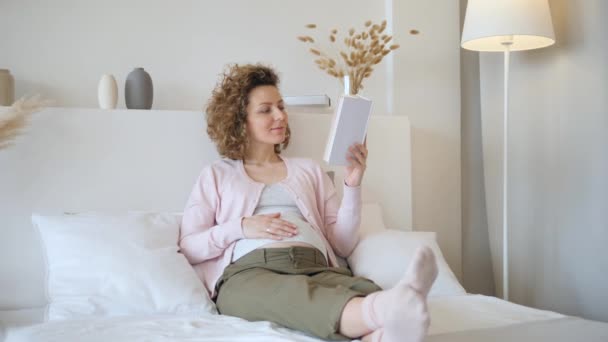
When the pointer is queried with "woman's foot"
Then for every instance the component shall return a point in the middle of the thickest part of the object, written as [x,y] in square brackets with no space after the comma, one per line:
[402,310]
[421,272]
[408,319]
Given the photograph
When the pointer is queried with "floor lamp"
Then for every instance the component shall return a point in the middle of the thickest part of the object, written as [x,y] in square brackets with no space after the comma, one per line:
[505,26]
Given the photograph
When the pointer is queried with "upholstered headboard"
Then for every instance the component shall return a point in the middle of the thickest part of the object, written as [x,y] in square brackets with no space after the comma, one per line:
[91,159]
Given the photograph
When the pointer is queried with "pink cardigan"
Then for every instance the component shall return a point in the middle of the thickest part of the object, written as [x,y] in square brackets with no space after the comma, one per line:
[224,194]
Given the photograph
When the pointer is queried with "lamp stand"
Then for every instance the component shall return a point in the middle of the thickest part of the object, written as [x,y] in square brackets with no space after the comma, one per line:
[505,230]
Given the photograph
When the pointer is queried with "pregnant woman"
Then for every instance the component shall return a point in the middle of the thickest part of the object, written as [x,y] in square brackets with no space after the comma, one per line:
[263,231]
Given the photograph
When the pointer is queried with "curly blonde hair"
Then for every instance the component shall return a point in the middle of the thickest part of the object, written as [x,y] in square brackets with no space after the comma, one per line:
[227,108]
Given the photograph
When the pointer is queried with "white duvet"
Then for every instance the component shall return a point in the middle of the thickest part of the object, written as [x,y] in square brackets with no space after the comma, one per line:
[448,314]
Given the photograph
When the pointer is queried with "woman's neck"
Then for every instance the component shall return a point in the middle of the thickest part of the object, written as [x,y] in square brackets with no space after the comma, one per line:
[261,157]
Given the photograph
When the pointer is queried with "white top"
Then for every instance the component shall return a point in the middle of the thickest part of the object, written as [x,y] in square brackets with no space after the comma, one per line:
[275,199]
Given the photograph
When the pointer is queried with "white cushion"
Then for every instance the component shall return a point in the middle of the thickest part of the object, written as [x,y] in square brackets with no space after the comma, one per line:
[384,257]
[102,264]
[371,221]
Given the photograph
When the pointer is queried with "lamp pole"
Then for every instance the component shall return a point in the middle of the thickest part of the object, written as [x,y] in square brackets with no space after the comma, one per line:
[505,148]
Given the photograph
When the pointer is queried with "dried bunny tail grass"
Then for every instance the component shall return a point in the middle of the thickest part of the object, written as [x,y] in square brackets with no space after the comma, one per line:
[363,49]
[344,56]
[333,72]
[10,130]
[14,120]
[306,39]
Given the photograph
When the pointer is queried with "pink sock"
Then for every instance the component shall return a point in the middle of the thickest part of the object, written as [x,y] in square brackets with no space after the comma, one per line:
[376,336]
[422,271]
[370,315]
[408,321]
[419,277]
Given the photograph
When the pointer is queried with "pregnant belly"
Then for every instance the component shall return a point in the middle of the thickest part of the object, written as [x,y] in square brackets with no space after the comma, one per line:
[300,223]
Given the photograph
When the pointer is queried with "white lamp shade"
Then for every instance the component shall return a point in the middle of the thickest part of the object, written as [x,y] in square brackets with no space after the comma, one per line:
[525,23]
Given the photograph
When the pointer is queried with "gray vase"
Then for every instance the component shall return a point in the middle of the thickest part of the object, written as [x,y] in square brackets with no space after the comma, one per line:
[138,90]
[7,88]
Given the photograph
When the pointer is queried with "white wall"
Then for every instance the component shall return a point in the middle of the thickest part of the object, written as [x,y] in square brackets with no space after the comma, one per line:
[61,48]
[558,163]
[427,88]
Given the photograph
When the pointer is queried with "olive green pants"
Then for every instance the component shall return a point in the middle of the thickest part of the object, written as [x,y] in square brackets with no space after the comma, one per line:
[292,287]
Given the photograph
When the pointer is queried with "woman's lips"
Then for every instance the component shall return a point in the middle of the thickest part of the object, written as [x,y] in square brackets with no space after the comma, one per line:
[278,129]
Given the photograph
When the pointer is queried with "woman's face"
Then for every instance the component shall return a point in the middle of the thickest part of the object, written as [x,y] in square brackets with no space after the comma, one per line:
[266,116]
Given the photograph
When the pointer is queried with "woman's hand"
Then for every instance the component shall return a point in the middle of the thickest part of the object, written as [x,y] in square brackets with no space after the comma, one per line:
[267,226]
[357,158]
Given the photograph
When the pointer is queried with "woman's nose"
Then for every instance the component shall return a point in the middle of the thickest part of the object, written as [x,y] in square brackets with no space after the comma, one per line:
[279,114]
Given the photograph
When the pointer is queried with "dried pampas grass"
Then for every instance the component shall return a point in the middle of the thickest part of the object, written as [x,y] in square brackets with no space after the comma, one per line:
[363,50]
[13,119]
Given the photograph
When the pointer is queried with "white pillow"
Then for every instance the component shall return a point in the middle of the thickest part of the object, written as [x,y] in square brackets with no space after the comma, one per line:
[102,264]
[371,221]
[384,257]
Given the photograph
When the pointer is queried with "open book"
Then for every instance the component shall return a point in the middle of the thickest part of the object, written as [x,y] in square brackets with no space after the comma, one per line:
[349,126]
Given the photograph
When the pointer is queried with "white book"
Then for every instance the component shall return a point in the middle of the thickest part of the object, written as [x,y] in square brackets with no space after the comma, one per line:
[348,126]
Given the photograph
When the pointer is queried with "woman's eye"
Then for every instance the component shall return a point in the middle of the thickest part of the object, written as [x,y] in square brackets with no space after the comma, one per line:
[265,110]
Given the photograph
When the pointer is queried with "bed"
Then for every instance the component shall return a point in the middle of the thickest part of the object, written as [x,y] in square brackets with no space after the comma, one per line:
[90,175]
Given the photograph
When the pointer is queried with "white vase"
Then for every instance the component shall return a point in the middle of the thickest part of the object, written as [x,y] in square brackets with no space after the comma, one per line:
[107,92]
[346,83]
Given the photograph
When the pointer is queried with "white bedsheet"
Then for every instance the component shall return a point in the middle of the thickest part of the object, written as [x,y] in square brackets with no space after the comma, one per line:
[448,314]
[458,313]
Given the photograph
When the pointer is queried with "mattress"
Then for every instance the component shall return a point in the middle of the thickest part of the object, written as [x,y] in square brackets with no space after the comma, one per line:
[450,314]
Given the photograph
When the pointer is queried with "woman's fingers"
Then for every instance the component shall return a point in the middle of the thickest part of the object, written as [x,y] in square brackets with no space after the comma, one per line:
[284,223]
[356,157]
[270,226]
[359,152]
[270,235]
[278,233]
[282,229]
[271,215]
